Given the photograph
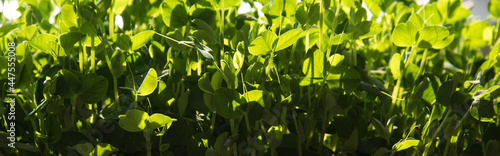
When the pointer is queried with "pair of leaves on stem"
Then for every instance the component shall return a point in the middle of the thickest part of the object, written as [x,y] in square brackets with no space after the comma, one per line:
[137,120]
[269,41]
[413,32]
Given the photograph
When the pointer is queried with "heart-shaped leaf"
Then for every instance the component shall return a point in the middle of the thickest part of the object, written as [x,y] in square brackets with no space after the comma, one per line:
[204,83]
[93,88]
[69,39]
[157,120]
[174,13]
[134,121]
[433,37]
[264,44]
[405,34]
[118,64]
[67,83]
[69,16]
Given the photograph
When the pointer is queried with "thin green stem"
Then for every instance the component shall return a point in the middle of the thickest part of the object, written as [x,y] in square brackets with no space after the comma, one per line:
[112,22]
[80,55]
[212,122]
[299,141]
[147,135]
[92,55]
[422,63]
[233,133]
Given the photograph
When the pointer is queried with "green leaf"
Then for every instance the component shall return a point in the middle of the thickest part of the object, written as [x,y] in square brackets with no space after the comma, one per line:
[203,49]
[7,28]
[55,49]
[67,83]
[123,41]
[417,20]
[430,14]
[483,111]
[118,63]
[405,144]
[227,103]
[134,121]
[405,34]
[313,65]
[141,38]
[238,58]
[149,83]
[183,102]
[202,25]
[157,120]
[41,41]
[255,96]
[417,94]
[366,29]
[379,127]
[69,39]
[343,78]
[340,38]
[26,34]
[445,92]
[204,83]
[174,13]
[69,17]
[259,47]
[119,6]
[433,37]
[494,8]
[24,55]
[288,38]
[94,88]
[396,66]
[104,149]
[300,13]
[264,44]
[351,144]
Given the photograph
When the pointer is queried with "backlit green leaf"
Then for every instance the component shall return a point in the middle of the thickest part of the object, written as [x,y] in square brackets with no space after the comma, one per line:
[494,8]
[405,34]
[41,42]
[288,38]
[405,144]
[157,120]
[396,66]
[134,121]
[141,38]
[433,37]
[149,83]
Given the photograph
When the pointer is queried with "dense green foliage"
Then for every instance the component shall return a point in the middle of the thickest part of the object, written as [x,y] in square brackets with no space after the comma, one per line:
[194,77]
